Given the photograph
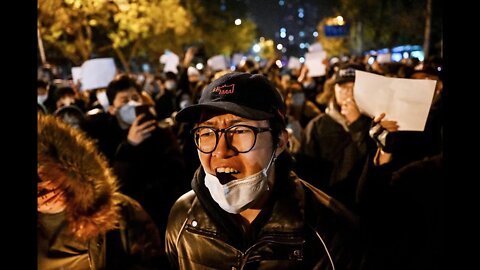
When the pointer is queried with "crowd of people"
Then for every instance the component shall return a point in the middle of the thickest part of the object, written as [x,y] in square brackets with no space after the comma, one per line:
[261,167]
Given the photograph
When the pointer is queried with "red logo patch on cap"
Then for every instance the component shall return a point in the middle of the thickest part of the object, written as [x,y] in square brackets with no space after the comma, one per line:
[225,89]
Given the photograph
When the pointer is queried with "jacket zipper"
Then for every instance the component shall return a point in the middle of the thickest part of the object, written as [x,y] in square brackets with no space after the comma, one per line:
[270,239]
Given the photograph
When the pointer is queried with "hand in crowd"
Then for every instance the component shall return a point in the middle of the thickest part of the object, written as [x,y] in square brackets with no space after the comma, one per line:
[350,110]
[379,133]
[139,132]
[189,55]
[303,73]
[389,125]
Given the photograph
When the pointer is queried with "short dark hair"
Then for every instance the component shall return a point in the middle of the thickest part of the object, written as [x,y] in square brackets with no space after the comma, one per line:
[71,115]
[63,92]
[277,124]
[119,84]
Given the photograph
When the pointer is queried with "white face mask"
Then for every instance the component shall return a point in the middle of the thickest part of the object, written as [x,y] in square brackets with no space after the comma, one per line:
[103,99]
[41,98]
[237,195]
[126,113]
[170,85]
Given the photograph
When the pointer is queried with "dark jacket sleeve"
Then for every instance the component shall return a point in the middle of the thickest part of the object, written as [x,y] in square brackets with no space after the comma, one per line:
[359,133]
[309,164]
[401,214]
[176,221]
[139,236]
[337,228]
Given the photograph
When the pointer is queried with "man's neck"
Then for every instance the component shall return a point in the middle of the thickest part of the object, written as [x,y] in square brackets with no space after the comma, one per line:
[250,214]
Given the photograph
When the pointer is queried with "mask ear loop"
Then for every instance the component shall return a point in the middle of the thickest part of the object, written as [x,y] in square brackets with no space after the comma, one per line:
[273,158]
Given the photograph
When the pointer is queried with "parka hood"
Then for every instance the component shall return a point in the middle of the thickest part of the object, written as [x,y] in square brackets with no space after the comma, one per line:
[68,158]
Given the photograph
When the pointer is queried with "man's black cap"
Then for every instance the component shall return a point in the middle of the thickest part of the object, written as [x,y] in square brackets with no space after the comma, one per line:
[250,96]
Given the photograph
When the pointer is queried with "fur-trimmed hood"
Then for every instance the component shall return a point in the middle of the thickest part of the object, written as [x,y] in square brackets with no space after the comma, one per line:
[71,161]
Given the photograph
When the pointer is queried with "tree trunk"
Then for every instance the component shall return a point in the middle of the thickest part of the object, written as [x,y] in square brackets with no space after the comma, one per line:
[355,38]
[133,51]
[428,19]
[40,47]
[84,41]
[122,58]
[359,31]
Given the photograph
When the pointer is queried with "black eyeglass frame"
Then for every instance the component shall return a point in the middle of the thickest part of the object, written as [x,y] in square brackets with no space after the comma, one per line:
[255,130]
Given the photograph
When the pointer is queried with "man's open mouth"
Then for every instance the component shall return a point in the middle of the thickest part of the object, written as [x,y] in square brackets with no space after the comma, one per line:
[226,174]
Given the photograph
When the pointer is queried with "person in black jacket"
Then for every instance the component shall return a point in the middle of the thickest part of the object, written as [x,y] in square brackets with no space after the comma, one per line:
[143,153]
[335,144]
[247,209]
[401,204]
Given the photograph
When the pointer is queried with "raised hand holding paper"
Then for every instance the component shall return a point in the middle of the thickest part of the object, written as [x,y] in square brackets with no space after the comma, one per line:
[407,101]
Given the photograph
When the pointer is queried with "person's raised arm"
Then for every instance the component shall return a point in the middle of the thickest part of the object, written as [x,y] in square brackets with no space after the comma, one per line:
[379,132]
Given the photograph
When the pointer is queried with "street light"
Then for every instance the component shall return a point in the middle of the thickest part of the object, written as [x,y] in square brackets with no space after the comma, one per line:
[340,20]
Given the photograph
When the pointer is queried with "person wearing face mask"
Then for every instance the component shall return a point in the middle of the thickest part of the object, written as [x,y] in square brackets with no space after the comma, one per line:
[336,143]
[170,85]
[42,95]
[98,101]
[42,91]
[66,96]
[45,101]
[247,209]
[165,99]
[144,154]
[115,125]
[299,109]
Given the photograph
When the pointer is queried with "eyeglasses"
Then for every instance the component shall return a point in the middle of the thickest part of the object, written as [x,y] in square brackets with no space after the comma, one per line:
[240,138]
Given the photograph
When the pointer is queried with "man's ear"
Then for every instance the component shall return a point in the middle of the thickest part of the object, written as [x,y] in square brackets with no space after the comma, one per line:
[282,142]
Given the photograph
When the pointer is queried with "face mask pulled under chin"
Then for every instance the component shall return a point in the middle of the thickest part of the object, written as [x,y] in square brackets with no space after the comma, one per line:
[126,113]
[237,195]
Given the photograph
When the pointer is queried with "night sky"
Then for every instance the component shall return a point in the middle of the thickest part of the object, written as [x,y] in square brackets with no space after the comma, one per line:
[267,15]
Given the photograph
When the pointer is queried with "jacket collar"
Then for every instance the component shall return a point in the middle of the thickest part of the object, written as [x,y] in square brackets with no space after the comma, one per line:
[332,111]
[284,213]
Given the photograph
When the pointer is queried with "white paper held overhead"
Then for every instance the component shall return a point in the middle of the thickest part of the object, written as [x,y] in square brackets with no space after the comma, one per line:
[406,101]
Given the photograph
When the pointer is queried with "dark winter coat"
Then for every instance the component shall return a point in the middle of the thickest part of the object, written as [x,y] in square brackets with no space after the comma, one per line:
[294,231]
[332,157]
[110,230]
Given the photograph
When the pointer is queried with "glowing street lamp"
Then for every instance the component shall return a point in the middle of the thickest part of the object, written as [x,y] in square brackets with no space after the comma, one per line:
[340,20]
